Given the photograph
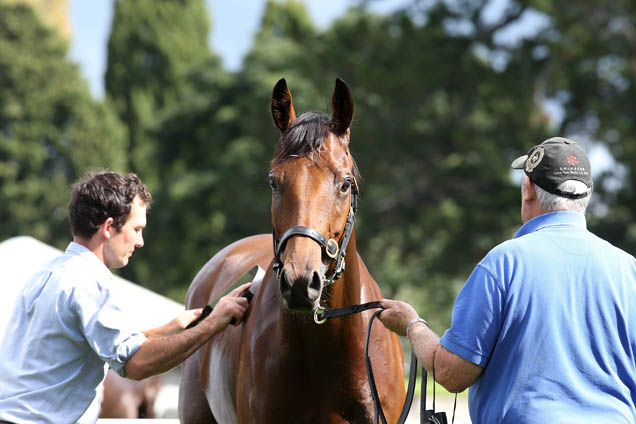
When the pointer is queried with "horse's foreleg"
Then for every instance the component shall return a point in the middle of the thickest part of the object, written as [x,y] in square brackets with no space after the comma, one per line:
[193,405]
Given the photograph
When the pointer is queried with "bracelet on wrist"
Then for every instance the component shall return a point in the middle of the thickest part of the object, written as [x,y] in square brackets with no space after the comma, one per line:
[413,321]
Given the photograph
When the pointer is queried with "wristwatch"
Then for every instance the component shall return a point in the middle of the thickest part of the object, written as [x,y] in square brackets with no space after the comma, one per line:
[413,321]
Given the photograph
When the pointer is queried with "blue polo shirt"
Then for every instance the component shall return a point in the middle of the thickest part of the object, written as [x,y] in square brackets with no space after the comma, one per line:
[64,329]
[551,316]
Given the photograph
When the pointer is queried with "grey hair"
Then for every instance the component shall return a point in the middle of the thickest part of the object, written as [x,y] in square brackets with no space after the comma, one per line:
[552,203]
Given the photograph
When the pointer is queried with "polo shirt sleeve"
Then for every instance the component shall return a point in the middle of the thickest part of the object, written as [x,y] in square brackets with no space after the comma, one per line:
[105,327]
[477,318]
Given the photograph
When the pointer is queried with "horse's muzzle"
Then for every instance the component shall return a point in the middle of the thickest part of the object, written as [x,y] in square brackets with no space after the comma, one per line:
[302,294]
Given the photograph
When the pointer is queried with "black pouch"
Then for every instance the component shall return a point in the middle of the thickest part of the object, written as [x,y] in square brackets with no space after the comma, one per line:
[429,416]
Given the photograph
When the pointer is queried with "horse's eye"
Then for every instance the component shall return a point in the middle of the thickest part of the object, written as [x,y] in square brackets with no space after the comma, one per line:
[272,182]
[346,185]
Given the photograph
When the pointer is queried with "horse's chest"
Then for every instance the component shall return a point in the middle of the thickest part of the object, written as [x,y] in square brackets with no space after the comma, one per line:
[318,408]
[306,394]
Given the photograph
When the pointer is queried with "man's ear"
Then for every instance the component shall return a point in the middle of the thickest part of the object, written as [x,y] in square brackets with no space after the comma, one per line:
[107,229]
[529,192]
[532,192]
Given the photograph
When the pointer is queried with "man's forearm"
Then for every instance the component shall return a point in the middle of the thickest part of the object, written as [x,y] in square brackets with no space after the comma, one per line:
[176,325]
[451,371]
[161,353]
[424,342]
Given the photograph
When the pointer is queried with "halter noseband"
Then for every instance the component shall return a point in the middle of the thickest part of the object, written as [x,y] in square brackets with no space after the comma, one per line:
[332,249]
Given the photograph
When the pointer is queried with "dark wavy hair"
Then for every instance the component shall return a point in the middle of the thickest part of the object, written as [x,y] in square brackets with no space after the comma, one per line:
[102,195]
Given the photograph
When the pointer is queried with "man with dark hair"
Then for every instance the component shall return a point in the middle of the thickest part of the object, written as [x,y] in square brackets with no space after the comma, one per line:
[66,329]
[544,330]
[101,195]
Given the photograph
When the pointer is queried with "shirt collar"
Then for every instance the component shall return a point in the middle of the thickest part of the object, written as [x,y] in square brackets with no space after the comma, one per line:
[83,252]
[552,219]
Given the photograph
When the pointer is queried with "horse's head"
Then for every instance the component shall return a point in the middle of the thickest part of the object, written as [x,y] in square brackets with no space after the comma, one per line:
[314,191]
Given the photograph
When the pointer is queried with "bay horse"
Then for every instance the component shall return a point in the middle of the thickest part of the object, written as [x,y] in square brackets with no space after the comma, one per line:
[279,366]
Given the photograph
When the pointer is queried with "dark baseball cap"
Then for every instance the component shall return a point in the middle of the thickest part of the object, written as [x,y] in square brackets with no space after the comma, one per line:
[554,161]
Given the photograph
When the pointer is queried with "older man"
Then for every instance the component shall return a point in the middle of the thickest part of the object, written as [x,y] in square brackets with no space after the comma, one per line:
[544,330]
[66,329]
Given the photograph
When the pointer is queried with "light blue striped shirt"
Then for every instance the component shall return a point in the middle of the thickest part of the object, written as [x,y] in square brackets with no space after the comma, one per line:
[64,332]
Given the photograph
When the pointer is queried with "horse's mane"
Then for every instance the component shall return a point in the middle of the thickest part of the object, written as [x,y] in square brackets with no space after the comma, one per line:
[305,136]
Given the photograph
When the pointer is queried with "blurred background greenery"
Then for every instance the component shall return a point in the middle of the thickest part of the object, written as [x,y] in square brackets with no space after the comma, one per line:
[444,101]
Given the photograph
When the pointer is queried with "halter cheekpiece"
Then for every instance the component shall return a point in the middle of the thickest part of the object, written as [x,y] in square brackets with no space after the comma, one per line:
[332,249]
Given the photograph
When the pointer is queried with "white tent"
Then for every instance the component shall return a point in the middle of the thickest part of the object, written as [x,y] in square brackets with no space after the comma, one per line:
[21,256]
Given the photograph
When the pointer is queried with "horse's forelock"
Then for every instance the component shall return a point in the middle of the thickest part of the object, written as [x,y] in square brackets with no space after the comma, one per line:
[305,136]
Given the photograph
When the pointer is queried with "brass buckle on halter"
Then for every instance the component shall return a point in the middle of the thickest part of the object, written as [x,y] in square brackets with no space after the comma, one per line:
[331,248]
[317,313]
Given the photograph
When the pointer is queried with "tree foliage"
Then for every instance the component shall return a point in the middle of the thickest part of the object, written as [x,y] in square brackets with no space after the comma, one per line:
[158,67]
[152,49]
[51,130]
[445,99]
[591,72]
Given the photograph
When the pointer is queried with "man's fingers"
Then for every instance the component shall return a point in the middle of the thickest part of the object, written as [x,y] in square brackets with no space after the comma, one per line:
[241,301]
[237,316]
[386,303]
[239,290]
[231,308]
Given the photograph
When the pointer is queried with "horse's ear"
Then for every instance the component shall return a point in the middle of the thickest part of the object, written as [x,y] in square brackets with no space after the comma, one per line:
[342,108]
[281,105]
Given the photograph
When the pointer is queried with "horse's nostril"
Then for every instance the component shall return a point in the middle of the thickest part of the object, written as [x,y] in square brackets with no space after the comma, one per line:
[314,287]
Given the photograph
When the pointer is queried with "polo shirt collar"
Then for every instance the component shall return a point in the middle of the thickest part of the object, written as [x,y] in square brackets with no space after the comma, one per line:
[552,219]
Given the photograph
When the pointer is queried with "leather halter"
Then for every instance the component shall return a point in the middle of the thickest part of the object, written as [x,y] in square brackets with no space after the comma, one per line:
[334,251]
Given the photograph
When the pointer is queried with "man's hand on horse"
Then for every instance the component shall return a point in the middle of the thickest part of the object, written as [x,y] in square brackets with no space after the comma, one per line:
[230,308]
[396,315]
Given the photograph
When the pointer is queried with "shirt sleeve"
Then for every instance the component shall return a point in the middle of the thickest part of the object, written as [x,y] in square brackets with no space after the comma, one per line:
[106,328]
[477,318]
